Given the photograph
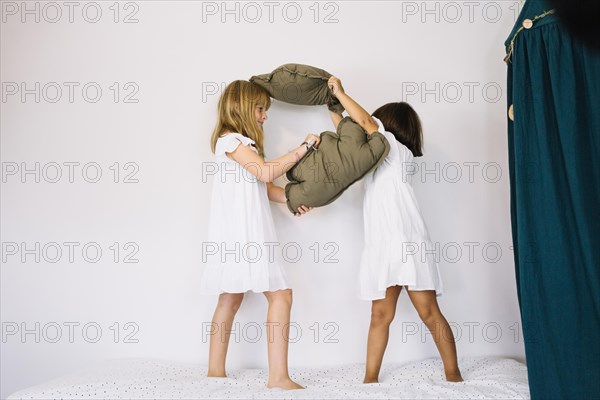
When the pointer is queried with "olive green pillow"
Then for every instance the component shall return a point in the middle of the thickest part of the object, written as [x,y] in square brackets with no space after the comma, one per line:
[343,157]
[299,84]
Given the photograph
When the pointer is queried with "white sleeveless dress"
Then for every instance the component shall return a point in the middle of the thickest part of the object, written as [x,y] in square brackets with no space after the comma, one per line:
[240,254]
[396,237]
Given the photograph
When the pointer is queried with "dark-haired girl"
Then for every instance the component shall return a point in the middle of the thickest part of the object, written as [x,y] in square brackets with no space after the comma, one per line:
[397,250]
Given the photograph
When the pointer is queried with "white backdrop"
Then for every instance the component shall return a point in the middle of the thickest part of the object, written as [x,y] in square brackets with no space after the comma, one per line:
[107,110]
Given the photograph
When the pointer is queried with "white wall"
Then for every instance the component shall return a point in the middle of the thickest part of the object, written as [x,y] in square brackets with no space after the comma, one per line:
[176,55]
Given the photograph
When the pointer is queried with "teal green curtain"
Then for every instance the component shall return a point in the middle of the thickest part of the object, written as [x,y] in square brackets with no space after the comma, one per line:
[554,159]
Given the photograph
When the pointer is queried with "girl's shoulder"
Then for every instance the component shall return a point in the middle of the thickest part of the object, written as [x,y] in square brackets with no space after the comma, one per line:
[230,135]
[228,142]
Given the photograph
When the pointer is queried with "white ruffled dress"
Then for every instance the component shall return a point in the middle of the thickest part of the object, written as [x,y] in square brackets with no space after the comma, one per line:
[397,247]
[240,254]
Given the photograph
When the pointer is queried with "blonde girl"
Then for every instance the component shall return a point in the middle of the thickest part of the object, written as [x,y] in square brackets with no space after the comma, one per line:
[241,227]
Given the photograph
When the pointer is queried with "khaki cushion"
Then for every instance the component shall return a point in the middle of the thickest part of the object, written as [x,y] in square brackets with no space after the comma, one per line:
[343,157]
[299,84]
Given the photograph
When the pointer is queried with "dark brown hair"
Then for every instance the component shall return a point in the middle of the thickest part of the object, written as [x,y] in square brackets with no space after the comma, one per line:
[401,120]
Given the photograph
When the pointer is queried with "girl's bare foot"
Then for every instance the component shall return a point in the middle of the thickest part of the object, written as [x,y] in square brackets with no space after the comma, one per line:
[454,377]
[286,384]
[370,380]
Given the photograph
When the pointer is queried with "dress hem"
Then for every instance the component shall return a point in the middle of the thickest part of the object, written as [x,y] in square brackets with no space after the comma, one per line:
[243,291]
[438,293]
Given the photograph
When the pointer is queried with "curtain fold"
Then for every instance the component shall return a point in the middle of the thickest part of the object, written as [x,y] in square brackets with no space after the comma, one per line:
[554,159]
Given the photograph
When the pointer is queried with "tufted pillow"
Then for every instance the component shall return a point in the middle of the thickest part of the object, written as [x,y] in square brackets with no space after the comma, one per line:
[342,158]
[299,84]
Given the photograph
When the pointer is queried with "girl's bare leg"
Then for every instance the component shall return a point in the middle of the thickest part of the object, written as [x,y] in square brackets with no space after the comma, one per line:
[227,306]
[278,325]
[426,304]
[382,314]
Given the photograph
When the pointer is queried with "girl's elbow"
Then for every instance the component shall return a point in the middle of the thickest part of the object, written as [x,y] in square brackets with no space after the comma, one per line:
[369,125]
[265,177]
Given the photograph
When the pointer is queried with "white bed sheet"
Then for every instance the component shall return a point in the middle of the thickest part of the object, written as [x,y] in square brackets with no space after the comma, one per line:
[485,378]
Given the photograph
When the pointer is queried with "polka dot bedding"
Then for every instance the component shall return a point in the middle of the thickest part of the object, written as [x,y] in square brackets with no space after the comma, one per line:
[485,378]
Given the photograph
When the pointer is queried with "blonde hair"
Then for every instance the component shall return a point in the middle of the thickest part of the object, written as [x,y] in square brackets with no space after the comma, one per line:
[236,112]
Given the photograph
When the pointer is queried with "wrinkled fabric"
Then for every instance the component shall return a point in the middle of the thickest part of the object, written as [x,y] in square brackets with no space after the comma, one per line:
[343,158]
[299,84]
[554,158]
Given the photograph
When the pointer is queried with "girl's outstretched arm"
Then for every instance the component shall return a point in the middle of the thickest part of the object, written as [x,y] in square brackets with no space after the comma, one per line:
[335,118]
[356,112]
[276,193]
[268,171]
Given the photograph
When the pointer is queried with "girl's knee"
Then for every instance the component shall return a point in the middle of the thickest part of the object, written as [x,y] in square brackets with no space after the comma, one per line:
[425,314]
[428,314]
[231,301]
[280,296]
[426,305]
[382,316]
